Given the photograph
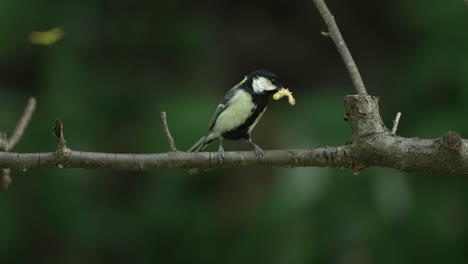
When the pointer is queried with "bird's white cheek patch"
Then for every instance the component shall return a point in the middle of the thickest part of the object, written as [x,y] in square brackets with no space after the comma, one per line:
[262,84]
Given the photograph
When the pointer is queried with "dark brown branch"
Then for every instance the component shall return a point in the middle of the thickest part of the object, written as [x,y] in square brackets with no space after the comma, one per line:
[22,124]
[170,139]
[335,34]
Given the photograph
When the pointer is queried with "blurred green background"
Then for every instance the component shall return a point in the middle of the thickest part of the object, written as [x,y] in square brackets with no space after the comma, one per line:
[120,63]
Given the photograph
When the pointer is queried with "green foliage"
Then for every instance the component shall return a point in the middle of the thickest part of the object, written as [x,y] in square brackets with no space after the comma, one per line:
[120,63]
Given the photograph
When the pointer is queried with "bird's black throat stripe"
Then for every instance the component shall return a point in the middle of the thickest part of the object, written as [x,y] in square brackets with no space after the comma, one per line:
[241,132]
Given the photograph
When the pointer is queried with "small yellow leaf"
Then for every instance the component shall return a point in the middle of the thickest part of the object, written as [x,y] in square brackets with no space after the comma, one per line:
[46,38]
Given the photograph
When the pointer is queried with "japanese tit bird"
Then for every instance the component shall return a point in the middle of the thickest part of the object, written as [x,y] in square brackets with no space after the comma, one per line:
[240,110]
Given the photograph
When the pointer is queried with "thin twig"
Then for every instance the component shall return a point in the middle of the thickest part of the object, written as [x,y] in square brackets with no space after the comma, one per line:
[22,124]
[466,2]
[395,122]
[169,137]
[335,34]
[3,142]
[7,145]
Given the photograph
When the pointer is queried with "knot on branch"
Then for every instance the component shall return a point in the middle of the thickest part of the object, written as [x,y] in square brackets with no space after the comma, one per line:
[5,180]
[452,142]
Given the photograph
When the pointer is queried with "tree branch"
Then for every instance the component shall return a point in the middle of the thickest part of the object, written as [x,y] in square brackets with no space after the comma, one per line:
[371,144]
[322,157]
[7,145]
[5,178]
[335,34]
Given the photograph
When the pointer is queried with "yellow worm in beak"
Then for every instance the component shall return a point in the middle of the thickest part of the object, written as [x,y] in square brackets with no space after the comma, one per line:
[285,92]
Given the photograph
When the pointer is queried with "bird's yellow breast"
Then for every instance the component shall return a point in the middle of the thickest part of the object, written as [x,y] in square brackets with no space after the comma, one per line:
[237,112]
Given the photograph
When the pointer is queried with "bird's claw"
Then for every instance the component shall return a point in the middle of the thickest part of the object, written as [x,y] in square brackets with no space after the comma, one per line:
[258,152]
[220,154]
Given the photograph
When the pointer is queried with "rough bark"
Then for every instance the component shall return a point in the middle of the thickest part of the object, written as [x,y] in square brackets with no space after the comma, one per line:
[371,144]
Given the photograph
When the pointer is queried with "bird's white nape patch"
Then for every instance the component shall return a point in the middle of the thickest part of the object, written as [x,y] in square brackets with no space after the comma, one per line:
[261,84]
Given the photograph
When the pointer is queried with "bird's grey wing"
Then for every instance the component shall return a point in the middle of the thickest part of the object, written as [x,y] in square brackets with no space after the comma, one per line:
[221,107]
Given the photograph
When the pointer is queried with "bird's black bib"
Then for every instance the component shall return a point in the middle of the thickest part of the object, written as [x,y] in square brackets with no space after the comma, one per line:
[242,131]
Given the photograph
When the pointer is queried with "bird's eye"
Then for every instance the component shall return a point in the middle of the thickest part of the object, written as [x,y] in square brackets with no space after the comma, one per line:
[274,81]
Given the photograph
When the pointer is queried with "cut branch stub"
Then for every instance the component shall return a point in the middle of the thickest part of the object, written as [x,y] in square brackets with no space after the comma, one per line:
[395,122]
[373,144]
[58,130]
[62,149]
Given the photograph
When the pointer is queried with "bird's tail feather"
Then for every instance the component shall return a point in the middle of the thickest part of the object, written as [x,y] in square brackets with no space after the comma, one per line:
[198,146]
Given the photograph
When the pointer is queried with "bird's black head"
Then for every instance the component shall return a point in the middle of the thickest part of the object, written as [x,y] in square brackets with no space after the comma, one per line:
[263,82]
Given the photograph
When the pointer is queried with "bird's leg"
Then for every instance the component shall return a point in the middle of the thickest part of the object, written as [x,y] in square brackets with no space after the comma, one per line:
[220,151]
[258,150]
